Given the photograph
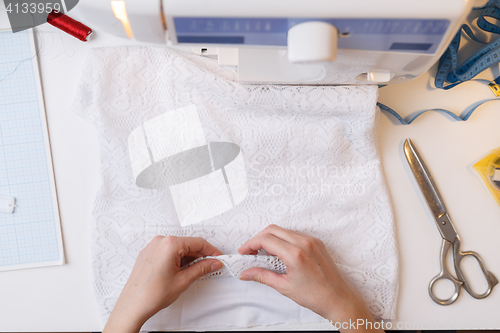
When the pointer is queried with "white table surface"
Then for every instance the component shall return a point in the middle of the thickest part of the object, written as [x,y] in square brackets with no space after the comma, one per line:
[61,298]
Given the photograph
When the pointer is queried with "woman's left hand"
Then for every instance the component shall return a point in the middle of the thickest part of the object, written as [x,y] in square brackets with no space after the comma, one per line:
[157,280]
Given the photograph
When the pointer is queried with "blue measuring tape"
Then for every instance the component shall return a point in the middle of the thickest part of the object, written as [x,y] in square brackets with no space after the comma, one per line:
[450,75]
[451,114]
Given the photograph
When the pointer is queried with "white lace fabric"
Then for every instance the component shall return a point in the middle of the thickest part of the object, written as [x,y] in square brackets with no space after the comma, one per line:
[312,166]
[236,264]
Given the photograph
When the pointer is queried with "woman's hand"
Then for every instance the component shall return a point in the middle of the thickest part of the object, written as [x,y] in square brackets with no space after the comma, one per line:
[157,280]
[312,279]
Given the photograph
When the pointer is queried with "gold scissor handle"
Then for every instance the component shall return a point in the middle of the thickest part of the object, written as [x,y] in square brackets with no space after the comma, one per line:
[444,274]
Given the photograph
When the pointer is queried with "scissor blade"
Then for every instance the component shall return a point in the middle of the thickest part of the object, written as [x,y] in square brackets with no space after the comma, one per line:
[430,191]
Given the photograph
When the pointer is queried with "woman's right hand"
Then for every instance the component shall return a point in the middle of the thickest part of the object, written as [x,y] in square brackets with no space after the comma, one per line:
[312,279]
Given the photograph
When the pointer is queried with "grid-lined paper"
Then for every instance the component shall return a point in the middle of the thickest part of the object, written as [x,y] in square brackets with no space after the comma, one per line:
[31,236]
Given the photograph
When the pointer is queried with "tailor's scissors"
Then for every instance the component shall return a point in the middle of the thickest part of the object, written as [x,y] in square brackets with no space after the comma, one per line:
[447,230]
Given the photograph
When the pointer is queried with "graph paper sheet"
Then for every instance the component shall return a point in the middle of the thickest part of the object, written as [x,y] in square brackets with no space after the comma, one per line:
[31,236]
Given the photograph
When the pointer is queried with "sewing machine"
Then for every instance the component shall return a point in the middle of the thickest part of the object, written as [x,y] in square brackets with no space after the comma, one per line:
[294,42]
[62,298]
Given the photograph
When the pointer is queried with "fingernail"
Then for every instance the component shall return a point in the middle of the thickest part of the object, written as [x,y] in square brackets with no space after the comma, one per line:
[246,277]
[216,266]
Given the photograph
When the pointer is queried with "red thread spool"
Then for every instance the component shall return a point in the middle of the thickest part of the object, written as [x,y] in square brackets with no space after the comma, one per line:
[70,26]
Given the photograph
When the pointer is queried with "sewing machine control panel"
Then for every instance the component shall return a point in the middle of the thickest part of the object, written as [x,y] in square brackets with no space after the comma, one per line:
[388,35]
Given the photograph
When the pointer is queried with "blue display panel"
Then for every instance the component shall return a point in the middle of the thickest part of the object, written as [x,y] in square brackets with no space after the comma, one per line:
[395,35]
